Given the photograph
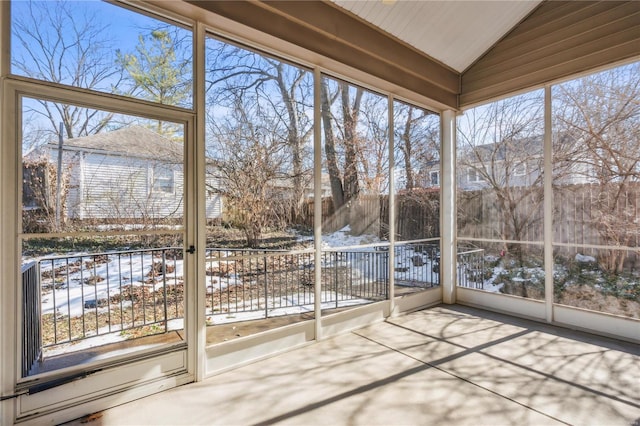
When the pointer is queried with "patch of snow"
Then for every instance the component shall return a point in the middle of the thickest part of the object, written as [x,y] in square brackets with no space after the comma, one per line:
[580,258]
[108,279]
[343,238]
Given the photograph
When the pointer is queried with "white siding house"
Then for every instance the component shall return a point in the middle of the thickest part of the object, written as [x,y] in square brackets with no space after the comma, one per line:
[131,174]
[514,163]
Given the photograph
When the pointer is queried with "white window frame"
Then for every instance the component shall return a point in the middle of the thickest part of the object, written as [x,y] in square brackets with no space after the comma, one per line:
[474,176]
[520,169]
[163,179]
[436,181]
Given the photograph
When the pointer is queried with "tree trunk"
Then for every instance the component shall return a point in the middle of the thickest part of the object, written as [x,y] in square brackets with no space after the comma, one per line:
[406,138]
[295,144]
[337,192]
[350,119]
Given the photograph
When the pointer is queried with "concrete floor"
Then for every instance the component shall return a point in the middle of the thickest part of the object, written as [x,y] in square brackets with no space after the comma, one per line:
[448,365]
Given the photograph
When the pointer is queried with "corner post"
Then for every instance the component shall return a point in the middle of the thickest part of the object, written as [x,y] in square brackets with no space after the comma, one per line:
[448,208]
[317,202]
[548,207]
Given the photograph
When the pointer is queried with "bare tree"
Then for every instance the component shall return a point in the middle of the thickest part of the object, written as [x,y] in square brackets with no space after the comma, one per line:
[282,93]
[342,144]
[350,108]
[335,175]
[417,141]
[500,153]
[356,151]
[600,114]
[68,44]
[372,146]
[249,160]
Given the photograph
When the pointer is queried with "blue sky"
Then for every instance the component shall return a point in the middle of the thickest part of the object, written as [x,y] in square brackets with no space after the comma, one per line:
[119,30]
[119,26]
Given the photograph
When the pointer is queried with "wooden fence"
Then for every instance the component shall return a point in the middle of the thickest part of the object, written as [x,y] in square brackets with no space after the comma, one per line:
[417,215]
[586,214]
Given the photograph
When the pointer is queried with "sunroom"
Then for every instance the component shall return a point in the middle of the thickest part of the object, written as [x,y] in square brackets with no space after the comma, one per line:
[189,187]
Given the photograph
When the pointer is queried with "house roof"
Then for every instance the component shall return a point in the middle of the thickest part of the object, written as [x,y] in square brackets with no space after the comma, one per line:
[132,141]
[529,147]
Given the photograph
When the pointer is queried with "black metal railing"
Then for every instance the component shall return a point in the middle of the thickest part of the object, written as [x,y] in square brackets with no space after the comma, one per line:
[271,281]
[240,280]
[355,276]
[133,292]
[417,264]
[139,292]
[470,269]
[31,333]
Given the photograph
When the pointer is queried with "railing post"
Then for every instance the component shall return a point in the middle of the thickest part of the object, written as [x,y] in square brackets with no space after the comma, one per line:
[31,327]
[164,287]
[266,291]
[335,268]
[39,310]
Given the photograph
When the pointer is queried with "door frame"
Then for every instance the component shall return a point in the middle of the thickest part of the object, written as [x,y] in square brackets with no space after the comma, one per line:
[73,391]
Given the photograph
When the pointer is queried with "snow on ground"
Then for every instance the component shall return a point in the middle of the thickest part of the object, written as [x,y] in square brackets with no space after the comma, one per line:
[414,268]
[581,258]
[93,280]
[488,284]
[90,281]
[343,238]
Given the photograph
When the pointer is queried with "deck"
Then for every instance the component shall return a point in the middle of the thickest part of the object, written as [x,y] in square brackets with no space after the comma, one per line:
[449,365]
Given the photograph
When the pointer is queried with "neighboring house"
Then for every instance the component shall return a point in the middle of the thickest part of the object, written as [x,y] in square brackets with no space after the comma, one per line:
[131,174]
[515,163]
[325,188]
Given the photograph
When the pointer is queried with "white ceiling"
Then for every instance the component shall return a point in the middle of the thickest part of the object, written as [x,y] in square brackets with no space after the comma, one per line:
[453,32]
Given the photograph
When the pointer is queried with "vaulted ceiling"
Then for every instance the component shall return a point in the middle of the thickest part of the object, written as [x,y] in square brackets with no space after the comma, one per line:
[456,53]
[455,33]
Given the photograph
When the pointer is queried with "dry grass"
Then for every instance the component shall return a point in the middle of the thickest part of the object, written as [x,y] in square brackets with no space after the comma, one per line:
[587,297]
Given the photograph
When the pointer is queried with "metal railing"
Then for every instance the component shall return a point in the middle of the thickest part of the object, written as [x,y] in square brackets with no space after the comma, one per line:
[417,264]
[31,333]
[134,291]
[354,276]
[138,292]
[470,272]
[275,282]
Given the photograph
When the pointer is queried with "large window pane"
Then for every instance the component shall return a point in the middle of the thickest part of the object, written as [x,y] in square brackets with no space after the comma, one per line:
[355,167]
[596,153]
[500,180]
[259,153]
[102,235]
[417,198]
[100,46]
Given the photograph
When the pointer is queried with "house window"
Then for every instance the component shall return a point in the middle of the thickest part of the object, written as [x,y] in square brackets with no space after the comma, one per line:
[474,176]
[520,169]
[163,180]
[435,178]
